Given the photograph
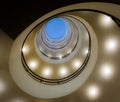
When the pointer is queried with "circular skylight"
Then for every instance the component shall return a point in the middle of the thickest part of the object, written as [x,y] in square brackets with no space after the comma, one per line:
[56,28]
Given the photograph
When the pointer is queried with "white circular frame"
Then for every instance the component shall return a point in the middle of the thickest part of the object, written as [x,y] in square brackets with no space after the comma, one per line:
[40,90]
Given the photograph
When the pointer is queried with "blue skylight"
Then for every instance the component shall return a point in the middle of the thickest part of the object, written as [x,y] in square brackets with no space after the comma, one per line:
[56,28]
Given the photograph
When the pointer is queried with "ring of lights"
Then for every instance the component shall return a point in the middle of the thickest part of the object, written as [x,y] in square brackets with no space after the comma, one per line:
[43,90]
[79,54]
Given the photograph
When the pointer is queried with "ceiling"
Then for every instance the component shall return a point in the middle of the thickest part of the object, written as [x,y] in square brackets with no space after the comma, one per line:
[16,16]
[102,86]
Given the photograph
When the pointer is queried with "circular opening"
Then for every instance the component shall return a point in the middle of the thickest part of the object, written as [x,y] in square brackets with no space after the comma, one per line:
[57,65]
[56,28]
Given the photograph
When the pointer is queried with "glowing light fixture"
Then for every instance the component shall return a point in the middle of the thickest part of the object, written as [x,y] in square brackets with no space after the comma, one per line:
[77,63]
[93,92]
[33,65]
[111,45]
[107,71]
[106,21]
[63,71]
[86,51]
[25,49]
[47,71]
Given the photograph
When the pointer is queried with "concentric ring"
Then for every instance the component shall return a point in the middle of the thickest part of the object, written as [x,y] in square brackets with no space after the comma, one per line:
[57,66]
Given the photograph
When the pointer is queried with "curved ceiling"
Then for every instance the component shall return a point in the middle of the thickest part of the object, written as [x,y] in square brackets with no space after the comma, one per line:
[103,85]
